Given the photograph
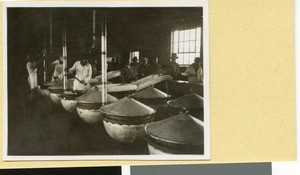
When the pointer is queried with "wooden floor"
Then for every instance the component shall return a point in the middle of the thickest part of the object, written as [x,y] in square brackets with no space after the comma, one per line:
[43,128]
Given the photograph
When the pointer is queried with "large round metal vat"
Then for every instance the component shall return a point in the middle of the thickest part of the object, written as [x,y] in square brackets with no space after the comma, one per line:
[55,92]
[180,134]
[57,89]
[151,96]
[191,101]
[125,119]
[88,106]
[68,100]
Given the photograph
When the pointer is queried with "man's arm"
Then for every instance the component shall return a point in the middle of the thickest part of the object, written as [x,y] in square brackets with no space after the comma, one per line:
[73,68]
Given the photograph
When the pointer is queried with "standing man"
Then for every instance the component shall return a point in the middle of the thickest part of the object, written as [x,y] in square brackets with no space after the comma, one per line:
[83,71]
[31,67]
[58,73]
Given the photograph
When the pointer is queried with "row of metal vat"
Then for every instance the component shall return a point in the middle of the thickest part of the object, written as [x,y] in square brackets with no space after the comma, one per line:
[131,118]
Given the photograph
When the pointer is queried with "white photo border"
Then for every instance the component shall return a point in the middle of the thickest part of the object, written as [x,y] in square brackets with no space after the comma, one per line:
[206,82]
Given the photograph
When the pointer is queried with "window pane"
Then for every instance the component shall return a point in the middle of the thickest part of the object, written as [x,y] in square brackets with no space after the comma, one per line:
[175,35]
[192,46]
[181,35]
[198,46]
[175,47]
[136,54]
[198,33]
[186,46]
[186,58]
[180,59]
[197,54]
[183,58]
[192,58]
[186,35]
[193,34]
[181,46]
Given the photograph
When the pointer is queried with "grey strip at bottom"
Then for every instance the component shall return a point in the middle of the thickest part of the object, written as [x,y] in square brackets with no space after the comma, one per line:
[205,169]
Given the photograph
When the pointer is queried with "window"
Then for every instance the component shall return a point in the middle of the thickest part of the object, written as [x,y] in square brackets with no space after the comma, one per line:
[186,44]
[134,54]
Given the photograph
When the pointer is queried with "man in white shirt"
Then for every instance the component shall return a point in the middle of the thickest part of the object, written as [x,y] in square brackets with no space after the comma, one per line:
[194,72]
[58,73]
[83,72]
[32,72]
[31,67]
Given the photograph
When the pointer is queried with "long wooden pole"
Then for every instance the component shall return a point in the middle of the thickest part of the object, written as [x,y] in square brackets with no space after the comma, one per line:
[65,55]
[44,61]
[50,24]
[94,21]
[104,57]
[201,41]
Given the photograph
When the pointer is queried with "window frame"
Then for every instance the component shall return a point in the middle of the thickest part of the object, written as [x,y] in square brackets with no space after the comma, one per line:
[179,42]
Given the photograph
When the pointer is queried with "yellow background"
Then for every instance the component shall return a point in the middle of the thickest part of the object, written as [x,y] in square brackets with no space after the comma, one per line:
[252,86]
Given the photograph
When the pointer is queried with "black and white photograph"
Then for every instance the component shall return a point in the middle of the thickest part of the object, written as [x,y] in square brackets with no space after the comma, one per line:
[106,81]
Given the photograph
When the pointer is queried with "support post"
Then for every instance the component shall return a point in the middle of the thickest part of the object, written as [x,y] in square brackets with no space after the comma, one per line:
[50,32]
[94,21]
[104,57]
[65,56]
[44,61]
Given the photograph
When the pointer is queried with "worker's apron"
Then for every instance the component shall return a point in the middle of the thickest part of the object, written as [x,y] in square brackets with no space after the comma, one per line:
[78,86]
[32,79]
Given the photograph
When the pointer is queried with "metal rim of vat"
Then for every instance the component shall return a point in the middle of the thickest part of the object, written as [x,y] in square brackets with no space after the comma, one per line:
[56,91]
[165,140]
[126,120]
[151,98]
[152,101]
[180,107]
[174,148]
[69,96]
[89,106]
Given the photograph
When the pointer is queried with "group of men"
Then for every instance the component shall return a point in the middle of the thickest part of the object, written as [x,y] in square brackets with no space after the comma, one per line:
[82,70]
[194,72]
[130,72]
[137,70]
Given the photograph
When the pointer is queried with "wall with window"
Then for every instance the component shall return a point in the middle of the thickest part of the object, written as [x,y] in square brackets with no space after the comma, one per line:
[149,31]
